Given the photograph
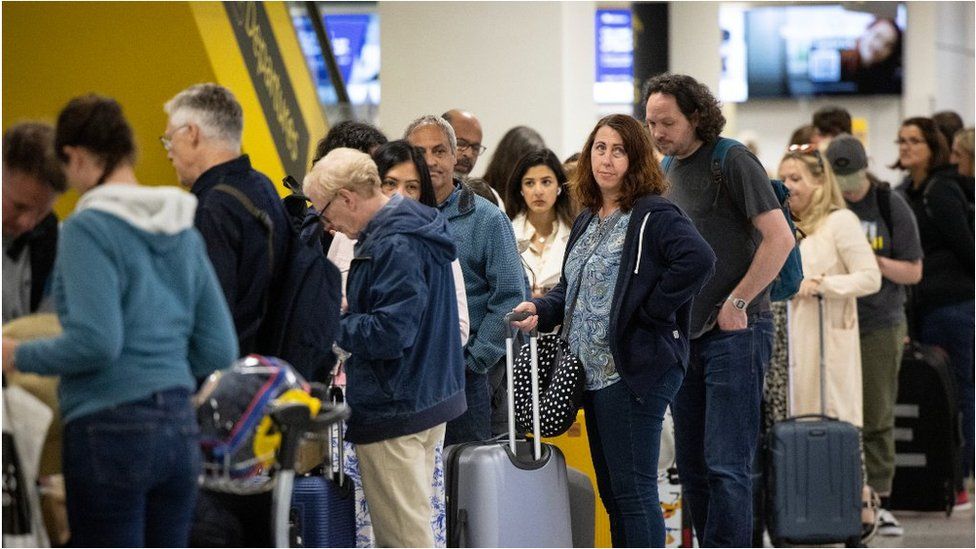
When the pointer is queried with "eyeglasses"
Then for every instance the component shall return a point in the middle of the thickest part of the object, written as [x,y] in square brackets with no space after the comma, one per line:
[167,140]
[478,148]
[322,217]
[910,141]
[808,149]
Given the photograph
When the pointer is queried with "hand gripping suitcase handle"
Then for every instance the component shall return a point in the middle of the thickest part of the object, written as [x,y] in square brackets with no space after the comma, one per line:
[510,385]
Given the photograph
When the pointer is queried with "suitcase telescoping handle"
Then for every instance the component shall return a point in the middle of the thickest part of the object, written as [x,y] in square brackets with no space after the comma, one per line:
[510,384]
[823,356]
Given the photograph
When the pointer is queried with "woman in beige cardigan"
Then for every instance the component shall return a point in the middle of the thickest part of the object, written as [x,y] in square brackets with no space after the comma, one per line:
[837,263]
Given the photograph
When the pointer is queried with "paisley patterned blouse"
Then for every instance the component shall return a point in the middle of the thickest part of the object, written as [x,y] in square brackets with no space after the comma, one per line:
[588,332]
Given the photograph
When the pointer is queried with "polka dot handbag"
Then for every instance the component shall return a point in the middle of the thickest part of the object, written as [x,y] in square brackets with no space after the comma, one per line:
[561,383]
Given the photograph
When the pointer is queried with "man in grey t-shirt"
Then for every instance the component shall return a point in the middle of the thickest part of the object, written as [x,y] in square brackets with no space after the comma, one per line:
[881,316]
[716,411]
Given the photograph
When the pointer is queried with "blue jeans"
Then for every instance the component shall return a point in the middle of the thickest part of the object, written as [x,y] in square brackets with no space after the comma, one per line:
[716,423]
[951,327]
[131,473]
[475,423]
[625,439]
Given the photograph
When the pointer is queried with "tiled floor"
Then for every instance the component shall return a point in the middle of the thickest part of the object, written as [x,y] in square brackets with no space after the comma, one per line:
[931,530]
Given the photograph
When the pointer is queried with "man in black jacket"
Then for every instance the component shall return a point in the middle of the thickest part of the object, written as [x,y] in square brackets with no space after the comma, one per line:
[203,141]
[32,180]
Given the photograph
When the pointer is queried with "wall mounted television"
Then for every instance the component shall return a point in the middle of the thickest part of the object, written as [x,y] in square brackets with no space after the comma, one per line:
[811,50]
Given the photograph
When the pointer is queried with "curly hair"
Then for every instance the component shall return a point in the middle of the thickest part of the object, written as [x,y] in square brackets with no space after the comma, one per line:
[694,100]
[97,124]
[643,176]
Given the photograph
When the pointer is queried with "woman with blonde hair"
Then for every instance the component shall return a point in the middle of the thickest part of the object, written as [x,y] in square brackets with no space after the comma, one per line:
[839,266]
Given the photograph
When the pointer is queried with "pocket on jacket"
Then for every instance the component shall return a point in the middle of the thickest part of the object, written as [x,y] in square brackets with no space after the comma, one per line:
[648,346]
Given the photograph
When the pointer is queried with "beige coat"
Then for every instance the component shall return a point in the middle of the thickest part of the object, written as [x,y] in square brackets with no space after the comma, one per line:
[840,257]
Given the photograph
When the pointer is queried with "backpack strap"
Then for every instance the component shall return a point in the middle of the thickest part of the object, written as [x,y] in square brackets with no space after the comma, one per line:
[721,150]
[262,216]
[666,164]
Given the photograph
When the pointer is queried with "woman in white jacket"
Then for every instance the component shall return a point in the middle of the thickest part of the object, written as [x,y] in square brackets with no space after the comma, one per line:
[839,265]
[542,216]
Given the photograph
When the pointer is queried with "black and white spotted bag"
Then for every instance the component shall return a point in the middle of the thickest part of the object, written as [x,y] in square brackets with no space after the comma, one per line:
[561,383]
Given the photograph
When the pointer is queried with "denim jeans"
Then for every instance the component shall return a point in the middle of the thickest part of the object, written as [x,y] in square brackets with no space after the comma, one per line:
[625,439]
[716,422]
[951,327]
[475,423]
[131,473]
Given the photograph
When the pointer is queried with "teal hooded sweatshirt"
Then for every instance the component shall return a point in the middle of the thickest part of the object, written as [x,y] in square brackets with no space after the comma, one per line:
[138,300]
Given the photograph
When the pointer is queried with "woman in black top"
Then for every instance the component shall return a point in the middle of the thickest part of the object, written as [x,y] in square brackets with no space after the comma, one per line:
[943,303]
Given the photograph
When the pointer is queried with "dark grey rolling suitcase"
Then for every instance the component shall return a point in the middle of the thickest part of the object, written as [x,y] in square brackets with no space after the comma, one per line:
[508,492]
[815,477]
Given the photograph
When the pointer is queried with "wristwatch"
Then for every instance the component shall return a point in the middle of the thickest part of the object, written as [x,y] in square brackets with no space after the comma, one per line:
[737,302]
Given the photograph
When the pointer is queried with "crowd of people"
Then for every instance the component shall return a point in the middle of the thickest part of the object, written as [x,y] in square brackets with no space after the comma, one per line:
[658,277]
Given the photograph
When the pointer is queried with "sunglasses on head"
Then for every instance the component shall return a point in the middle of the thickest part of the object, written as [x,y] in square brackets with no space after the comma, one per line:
[808,149]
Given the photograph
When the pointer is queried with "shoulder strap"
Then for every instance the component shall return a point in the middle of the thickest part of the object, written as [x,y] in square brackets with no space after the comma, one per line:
[262,216]
[721,150]
[666,164]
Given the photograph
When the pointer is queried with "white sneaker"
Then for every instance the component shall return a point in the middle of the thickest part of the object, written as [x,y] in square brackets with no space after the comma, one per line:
[888,525]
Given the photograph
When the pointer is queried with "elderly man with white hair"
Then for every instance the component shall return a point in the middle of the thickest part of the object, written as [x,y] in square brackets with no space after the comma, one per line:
[405,373]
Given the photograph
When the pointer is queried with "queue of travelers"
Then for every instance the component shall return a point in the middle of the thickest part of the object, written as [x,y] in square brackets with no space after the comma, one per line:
[659,274]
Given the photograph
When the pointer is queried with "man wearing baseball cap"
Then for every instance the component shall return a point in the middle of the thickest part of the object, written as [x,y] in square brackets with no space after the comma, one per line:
[891,229]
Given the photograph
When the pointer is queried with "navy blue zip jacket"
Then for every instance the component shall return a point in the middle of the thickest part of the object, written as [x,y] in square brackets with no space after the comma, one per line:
[406,372]
[664,264]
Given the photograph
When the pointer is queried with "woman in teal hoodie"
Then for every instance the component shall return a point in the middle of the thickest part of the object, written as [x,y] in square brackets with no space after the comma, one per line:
[143,316]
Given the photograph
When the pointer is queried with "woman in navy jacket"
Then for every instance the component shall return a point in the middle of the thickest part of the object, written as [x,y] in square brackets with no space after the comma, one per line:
[633,264]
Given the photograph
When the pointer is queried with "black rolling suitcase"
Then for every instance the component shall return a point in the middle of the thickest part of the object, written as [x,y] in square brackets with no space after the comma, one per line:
[927,432]
[815,476]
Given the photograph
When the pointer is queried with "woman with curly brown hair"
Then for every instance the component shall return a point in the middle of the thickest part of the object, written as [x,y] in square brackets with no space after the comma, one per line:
[634,263]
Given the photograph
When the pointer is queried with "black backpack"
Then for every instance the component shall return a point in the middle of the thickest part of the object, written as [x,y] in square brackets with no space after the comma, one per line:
[301,317]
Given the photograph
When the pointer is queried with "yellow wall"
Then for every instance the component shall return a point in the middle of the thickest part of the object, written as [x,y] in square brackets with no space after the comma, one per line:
[141,53]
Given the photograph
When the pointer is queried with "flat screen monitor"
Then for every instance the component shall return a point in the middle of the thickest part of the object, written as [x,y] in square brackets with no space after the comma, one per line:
[814,50]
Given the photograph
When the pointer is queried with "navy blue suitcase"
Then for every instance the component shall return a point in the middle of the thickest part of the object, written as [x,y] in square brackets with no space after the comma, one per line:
[324,512]
[815,476]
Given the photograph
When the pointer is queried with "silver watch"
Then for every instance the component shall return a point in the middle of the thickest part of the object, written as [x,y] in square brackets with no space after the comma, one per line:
[737,302]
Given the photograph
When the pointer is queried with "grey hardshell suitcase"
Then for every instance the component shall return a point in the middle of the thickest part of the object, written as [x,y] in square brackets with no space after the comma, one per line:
[815,475]
[509,492]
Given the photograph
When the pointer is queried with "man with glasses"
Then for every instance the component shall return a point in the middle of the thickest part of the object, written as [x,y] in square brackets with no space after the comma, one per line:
[406,368]
[467,130]
[716,411]
[32,180]
[494,279]
[203,141]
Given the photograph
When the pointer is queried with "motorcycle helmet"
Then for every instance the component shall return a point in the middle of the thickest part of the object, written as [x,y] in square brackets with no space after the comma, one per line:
[238,438]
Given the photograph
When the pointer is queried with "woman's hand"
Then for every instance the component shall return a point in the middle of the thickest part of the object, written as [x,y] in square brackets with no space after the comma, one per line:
[529,323]
[809,287]
[9,346]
